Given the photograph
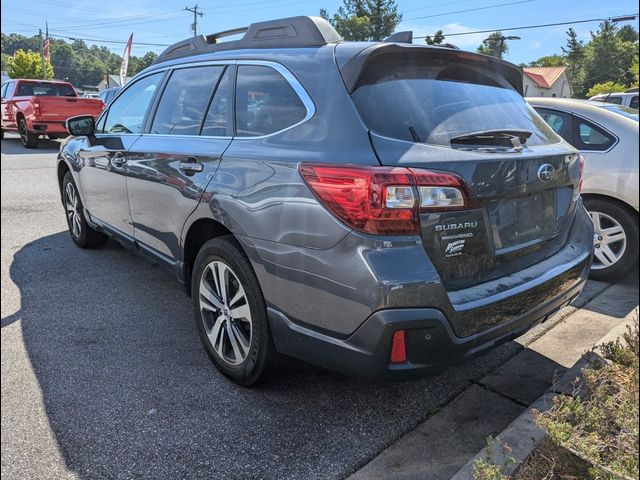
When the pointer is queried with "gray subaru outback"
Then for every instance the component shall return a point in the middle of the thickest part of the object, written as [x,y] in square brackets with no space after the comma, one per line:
[380,209]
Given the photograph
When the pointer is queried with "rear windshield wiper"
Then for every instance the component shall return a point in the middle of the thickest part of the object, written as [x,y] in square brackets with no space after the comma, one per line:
[492,138]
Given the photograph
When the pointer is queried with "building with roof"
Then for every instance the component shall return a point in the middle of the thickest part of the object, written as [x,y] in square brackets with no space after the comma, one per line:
[547,82]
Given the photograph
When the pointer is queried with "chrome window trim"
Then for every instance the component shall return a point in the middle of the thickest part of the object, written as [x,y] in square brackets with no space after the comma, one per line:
[302,93]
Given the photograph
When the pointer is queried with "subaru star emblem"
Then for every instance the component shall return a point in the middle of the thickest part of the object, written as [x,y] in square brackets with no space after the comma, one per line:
[546,172]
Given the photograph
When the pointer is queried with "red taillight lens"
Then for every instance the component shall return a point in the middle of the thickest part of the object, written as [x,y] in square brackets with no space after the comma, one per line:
[357,196]
[398,347]
[36,106]
[383,200]
[580,171]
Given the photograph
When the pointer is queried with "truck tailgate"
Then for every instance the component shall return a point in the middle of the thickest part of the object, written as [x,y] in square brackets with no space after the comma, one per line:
[62,108]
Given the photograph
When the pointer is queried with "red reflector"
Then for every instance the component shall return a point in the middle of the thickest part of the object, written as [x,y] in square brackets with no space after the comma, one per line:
[398,347]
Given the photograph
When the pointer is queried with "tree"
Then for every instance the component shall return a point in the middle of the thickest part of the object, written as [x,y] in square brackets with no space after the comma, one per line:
[365,19]
[548,61]
[574,54]
[436,39]
[494,45]
[609,55]
[634,72]
[28,65]
[605,87]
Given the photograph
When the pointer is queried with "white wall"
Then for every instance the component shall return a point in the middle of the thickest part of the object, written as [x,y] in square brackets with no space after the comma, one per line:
[560,89]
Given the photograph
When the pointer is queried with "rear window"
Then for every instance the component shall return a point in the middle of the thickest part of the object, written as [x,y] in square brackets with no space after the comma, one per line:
[609,99]
[442,100]
[45,90]
[625,111]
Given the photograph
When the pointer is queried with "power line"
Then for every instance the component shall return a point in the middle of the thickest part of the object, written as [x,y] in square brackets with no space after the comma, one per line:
[526,27]
[108,41]
[470,10]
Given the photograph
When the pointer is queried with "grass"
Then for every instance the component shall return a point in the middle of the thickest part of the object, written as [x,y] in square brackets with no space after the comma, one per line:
[601,425]
[592,434]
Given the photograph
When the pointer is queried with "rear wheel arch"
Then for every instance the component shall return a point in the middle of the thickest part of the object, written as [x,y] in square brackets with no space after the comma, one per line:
[606,198]
[199,233]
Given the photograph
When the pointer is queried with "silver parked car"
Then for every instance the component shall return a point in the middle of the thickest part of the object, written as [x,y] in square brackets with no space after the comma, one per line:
[607,136]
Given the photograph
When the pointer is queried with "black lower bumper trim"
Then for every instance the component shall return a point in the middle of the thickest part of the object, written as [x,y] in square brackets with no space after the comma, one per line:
[431,343]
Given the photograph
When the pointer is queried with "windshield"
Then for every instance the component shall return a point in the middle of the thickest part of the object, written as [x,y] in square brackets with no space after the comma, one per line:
[28,89]
[631,113]
[439,101]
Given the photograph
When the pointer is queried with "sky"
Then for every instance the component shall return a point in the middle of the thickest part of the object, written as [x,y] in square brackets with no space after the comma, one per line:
[158,23]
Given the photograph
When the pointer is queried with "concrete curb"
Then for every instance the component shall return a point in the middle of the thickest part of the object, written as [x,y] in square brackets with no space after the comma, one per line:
[523,435]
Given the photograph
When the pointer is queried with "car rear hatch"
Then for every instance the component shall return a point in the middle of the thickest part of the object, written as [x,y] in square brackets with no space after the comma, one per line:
[444,110]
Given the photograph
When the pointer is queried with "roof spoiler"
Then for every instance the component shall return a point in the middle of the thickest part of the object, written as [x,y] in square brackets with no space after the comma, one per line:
[293,32]
[354,68]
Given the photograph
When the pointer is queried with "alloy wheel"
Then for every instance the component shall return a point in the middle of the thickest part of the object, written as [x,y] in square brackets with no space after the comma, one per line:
[225,312]
[609,240]
[73,214]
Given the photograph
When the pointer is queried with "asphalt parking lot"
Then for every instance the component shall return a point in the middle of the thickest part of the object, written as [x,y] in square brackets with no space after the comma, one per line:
[103,374]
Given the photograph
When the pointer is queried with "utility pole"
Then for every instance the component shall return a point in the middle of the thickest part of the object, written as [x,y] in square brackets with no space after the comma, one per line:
[196,13]
[44,70]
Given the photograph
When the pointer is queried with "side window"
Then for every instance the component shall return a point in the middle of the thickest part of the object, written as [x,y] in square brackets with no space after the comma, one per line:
[184,100]
[588,136]
[265,102]
[3,90]
[634,102]
[217,120]
[127,113]
[616,100]
[558,121]
[10,88]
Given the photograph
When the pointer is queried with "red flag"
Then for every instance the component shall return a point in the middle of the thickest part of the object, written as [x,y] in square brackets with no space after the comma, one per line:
[47,54]
[125,60]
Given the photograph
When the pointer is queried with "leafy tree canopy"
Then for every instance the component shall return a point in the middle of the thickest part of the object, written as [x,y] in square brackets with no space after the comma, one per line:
[28,65]
[605,87]
[548,61]
[436,39]
[494,45]
[365,19]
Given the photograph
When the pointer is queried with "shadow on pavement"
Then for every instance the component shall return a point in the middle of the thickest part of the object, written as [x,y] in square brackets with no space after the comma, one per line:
[129,391]
[11,146]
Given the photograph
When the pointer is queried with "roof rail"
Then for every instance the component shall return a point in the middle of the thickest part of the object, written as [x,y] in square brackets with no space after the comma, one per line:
[290,32]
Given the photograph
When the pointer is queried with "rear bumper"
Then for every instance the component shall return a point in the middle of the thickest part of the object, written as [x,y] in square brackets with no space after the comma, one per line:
[431,343]
[52,127]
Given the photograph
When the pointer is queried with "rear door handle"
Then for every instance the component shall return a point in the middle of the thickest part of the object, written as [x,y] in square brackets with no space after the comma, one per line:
[191,166]
[118,159]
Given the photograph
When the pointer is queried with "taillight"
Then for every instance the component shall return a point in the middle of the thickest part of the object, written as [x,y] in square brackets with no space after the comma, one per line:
[36,106]
[580,171]
[383,200]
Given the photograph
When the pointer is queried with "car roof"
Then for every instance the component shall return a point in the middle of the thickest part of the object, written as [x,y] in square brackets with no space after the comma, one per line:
[586,108]
[616,94]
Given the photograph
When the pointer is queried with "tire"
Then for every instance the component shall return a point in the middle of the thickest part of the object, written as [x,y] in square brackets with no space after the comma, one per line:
[28,139]
[81,233]
[251,360]
[615,239]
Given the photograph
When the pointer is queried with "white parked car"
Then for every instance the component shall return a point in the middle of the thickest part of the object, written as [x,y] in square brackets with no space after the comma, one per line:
[607,136]
[626,99]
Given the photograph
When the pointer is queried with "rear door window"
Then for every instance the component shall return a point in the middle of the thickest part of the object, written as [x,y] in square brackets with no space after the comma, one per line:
[560,122]
[434,102]
[265,102]
[185,99]
[634,102]
[589,136]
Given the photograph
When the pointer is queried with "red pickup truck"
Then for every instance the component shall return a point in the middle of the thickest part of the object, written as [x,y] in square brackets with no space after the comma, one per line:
[41,107]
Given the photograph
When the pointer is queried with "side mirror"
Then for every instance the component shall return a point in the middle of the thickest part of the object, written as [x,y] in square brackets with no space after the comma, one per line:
[82,126]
